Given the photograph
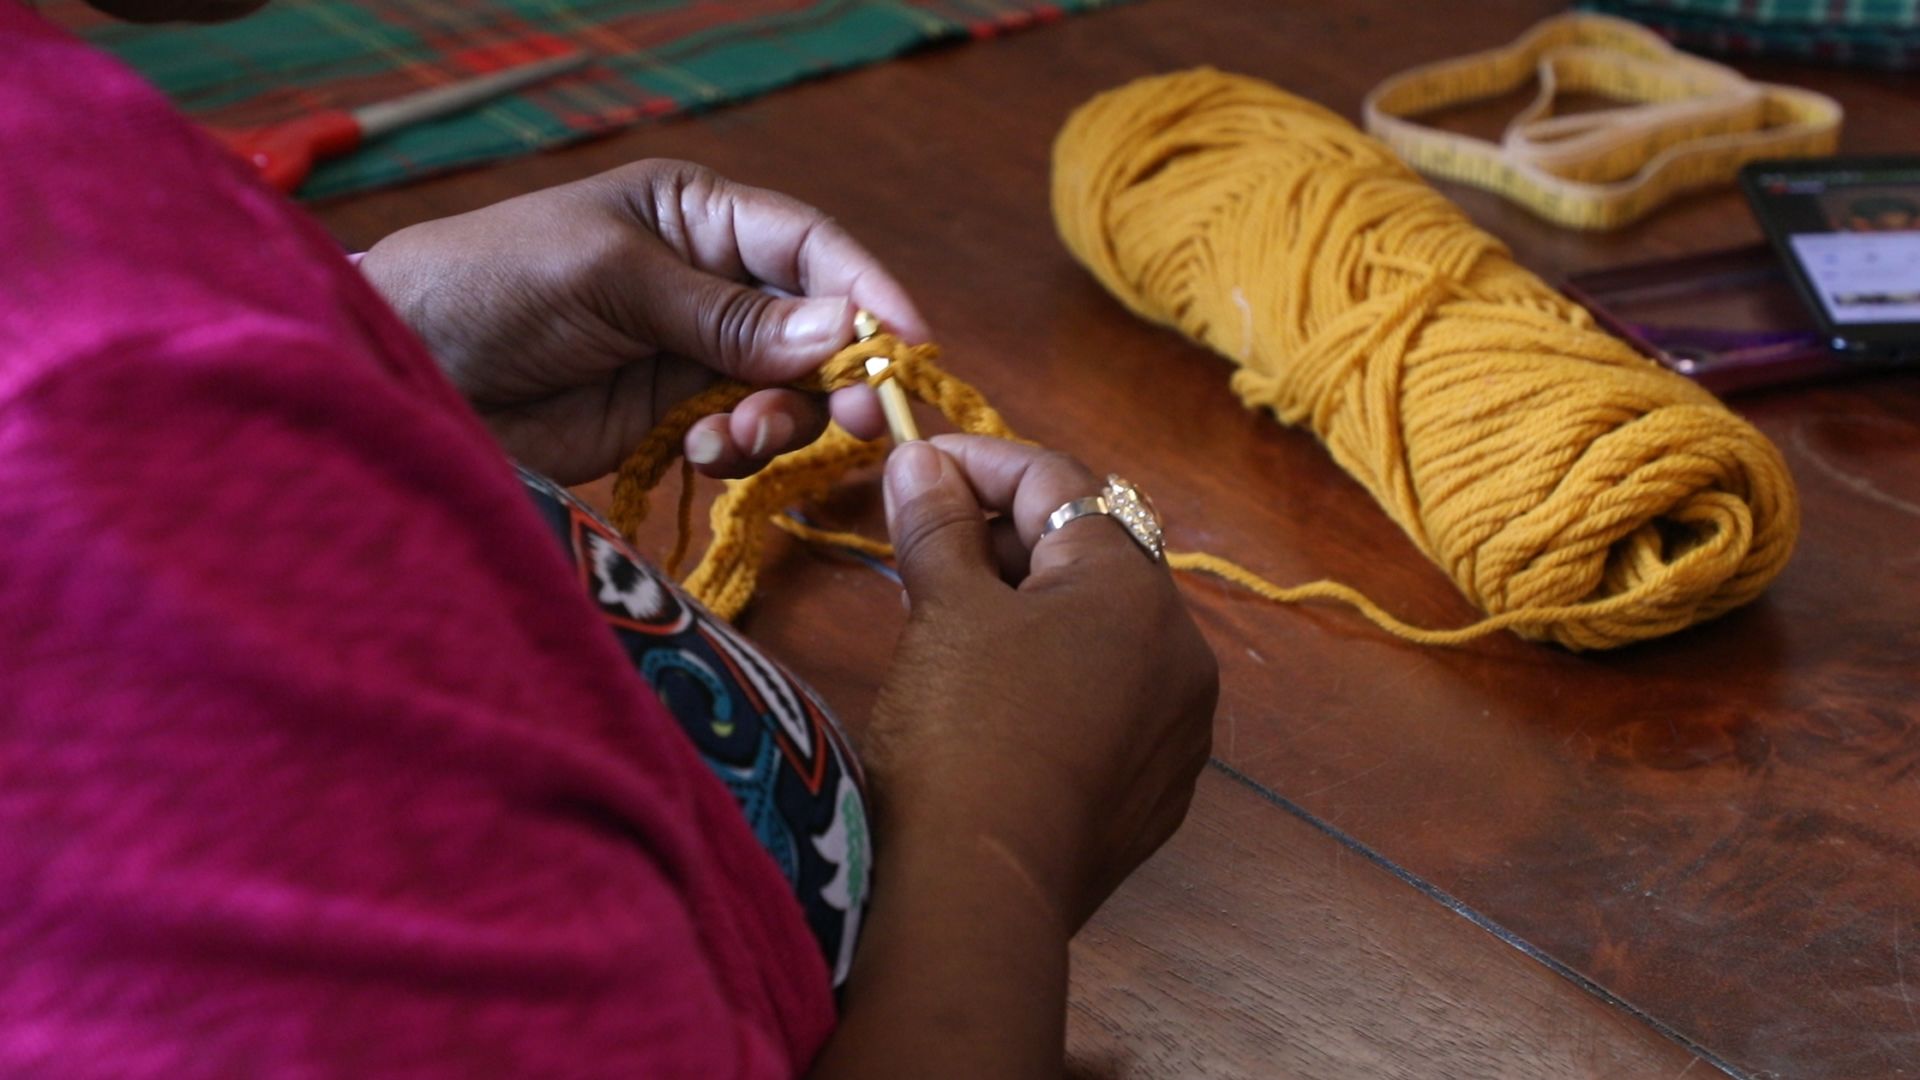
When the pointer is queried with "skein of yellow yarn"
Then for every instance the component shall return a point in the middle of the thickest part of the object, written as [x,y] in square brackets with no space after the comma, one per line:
[1574,490]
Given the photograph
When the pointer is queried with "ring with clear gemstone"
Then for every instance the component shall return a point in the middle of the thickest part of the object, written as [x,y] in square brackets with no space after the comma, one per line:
[1132,509]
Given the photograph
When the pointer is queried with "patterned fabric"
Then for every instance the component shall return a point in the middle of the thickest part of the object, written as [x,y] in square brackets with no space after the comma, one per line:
[764,733]
[655,58]
[1862,33]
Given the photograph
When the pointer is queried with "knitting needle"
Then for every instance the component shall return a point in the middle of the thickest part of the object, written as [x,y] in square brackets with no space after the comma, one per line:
[893,399]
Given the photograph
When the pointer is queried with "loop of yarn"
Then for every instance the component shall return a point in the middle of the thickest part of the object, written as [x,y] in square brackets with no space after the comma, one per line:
[725,577]
[1574,490]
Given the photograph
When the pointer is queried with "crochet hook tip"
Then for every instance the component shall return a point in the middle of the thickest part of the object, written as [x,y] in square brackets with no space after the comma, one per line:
[894,403]
[893,400]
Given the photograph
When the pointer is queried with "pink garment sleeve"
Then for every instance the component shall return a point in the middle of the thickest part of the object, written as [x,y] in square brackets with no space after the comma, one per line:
[314,760]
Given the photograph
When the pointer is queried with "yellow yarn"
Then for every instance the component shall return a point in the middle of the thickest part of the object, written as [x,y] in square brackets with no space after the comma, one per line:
[725,578]
[1573,489]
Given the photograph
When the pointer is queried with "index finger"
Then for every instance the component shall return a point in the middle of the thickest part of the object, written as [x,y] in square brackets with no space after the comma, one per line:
[1027,484]
[793,246]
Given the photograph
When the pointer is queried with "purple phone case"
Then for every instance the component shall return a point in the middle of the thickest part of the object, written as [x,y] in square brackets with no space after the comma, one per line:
[1730,320]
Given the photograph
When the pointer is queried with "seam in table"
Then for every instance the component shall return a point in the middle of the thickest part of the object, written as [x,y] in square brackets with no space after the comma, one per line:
[1465,911]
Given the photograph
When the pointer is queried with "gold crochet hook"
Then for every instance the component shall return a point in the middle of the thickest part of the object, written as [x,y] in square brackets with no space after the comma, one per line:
[893,399]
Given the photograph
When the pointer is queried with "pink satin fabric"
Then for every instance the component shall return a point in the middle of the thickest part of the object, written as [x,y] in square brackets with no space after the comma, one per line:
[314,760]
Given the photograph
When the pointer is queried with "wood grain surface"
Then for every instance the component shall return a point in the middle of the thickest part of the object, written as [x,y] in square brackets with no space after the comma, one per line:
[1715,836]
[1255,945]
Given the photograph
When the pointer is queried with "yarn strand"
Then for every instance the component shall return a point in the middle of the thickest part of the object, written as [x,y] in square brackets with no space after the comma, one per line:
[725,577]
[1574,490]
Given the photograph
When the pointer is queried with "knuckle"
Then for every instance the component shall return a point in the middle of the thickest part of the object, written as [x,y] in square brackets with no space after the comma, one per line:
[709,196]
[1065,469]
[649,191]
[736,320]
[646,174]
[681,198]
[819,234]
[922,523]
[822,228]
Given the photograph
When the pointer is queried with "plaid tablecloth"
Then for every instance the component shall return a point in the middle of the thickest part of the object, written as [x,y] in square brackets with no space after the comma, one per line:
[654,58]
[1863,33]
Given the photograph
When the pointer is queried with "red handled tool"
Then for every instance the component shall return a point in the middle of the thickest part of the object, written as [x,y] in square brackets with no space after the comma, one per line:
[286,152]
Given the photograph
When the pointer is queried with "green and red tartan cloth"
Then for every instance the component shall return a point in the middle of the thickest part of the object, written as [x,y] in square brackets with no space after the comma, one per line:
[653,58]
[1862,33]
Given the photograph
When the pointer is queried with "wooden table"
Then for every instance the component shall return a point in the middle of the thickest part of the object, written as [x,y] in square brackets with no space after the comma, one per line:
[1506,859]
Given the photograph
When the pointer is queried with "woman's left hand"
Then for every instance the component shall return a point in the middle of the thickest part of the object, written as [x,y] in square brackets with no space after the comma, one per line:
[574,318]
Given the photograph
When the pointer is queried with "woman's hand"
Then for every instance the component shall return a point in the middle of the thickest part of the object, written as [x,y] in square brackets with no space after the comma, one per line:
[1051,697]
[574,318]
[1048,712]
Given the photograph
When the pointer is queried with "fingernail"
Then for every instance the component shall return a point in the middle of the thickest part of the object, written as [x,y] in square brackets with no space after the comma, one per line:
[912,470]
[772,431]
[819,321]
[704,447]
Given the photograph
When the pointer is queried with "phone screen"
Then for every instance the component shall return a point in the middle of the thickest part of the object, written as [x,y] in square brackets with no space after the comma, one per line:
[1850,231]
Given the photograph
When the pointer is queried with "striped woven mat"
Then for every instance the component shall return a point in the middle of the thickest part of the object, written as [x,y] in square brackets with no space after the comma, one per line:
[1856,33]
[654,58]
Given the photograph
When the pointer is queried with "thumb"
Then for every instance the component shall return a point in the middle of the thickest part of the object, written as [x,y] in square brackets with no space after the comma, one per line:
[739,331]
[940,540]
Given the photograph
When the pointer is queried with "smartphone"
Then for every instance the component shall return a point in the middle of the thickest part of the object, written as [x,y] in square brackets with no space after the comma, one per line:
[1848,231]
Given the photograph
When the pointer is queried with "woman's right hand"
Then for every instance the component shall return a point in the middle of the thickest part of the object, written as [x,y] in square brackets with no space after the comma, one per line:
[1050,699]
[1049,709]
